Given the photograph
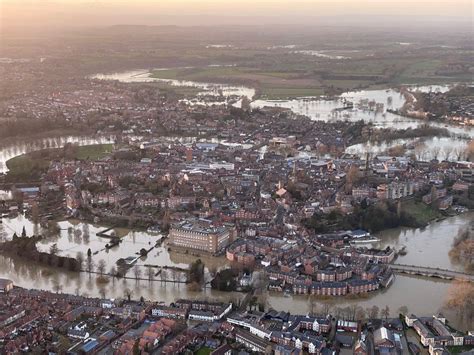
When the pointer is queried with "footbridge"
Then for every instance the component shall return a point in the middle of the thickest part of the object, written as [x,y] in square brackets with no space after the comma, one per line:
[432,272]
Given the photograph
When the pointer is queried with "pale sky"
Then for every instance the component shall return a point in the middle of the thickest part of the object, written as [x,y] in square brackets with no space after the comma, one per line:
[212,12]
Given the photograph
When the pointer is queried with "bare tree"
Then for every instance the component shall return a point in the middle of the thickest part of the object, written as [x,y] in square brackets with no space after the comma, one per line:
[89,265]
[101,267]
[373,312]
[461,299]
[312,304]
[327,308]
[360,314]
[447,152]
[128,294]
[385,312]
[137,272]
[458,153]
[470,151]
[174,275]
[113,273]
[352,311]
[164,275]
[80,260]
[435,150]
[85,232]
[57,287]
[150,273]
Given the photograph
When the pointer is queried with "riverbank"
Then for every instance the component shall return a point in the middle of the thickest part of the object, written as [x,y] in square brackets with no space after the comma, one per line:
[30,166]
[426,246]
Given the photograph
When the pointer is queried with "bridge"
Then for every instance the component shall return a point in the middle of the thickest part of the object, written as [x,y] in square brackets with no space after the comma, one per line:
[432,272]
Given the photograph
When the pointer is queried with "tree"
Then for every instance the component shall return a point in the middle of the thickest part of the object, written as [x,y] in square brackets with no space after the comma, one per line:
[85,232]
[403,310]
[128,294]
[352,311]
[461,299]
[89,252]
[89,265]
[53,250]
[373,312]
[101,267]
[327,306]
[80,260]
[113,273]
[150,273]
[312,304]
[196,271]
[360,314]
[245,104]
[57,286]
[136,348]
[137,272]
[470,151]
[447,152]
[385,312]
[163,275]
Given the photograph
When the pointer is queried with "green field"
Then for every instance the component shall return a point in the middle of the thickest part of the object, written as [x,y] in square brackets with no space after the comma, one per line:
[204,351]
[459,349]
[271,84]
[93,152]
[281,93]
[420,211]
[283,75]
[30,166]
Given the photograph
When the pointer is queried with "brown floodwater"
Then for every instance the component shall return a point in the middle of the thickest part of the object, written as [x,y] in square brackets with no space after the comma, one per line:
[427,246]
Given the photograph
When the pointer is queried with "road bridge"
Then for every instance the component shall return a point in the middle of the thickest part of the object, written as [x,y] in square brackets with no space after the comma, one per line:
[432,272]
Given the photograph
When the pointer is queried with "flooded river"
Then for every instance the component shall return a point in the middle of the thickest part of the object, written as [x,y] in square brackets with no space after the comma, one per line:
[332,110]
[426,247]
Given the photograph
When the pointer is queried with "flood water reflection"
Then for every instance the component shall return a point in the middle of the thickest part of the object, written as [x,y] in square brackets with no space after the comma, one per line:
[426,247]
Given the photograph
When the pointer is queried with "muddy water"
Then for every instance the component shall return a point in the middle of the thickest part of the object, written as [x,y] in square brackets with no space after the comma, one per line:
[426,247]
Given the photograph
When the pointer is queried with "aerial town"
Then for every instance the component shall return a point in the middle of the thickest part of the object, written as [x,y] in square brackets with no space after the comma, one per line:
[45,322]
[291,182]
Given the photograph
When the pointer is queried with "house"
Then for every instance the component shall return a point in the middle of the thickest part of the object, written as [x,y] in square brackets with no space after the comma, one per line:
[347,326]
[287,350]
[345,341]
[384,339]
[252,342]
[5,285]
[169,312]
[360,348]
[222,350]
